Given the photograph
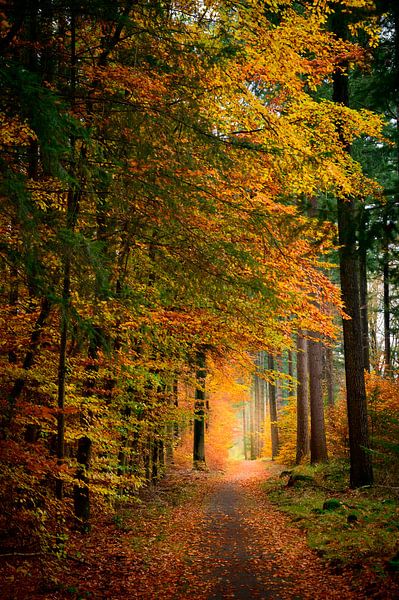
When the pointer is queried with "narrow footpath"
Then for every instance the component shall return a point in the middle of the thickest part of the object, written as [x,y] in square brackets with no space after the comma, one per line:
[254,552]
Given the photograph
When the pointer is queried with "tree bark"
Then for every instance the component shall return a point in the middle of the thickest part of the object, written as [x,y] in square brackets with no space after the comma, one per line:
[71,220]
[273,411]
[244,432]
[252,432]
[329,375]
[302,433]
[318,444]
[361,471]
[81,495]
[199,414]
[364,294]
[386,300]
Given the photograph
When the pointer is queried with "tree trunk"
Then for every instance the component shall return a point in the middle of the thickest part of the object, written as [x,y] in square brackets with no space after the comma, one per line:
[71,220]
[387,301]
[318,444]
[361,472]
[244,432]
[329,375]
[59,485]
[273,411]
[363,293]
[302,432]
[154,459]
[252,432]
[81,495]
[199,414]
[290,365]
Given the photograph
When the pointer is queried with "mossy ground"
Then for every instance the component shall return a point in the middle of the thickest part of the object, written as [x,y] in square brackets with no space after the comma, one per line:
[361,527]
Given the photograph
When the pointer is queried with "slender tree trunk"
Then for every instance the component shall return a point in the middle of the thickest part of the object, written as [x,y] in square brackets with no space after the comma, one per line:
[154,459]
[71,220]
[81,495]
[176,405]
[244,432]
[273,411]
[146,453]
[252,452]
[199,414]
[361,471]
[318,444]
[329,375]
[387,301]
[290,365]
[363,293]
[302,435]
[59,485]
[13,300]
[170,443]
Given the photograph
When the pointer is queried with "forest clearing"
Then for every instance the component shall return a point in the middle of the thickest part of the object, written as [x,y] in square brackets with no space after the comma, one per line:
[199,307]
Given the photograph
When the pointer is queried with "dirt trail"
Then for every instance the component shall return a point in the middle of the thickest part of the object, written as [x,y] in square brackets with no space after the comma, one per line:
[254,553]
[231,552]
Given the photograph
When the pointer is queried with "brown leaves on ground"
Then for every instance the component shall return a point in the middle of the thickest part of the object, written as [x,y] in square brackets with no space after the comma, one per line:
[198,536]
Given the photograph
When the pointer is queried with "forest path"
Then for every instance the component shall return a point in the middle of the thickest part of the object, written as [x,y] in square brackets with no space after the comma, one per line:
[254,552]
[231,551]
[196,536]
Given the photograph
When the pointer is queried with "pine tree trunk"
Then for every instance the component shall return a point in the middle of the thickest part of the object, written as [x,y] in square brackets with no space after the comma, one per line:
[302,435]
[361,472]
[361,468]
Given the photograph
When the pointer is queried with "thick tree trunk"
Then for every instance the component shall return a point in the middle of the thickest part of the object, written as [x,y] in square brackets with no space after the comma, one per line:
[273,411]
[318,444]
[302,435]
[361,468]
[361,471]
[199,414]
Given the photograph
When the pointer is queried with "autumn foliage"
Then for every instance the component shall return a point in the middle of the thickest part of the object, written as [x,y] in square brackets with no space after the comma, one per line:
[156,160]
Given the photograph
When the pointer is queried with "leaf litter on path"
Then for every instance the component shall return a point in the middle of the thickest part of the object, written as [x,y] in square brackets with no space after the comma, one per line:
[200,536]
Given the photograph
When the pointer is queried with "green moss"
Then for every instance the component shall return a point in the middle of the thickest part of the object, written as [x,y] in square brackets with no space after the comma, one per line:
[344,526]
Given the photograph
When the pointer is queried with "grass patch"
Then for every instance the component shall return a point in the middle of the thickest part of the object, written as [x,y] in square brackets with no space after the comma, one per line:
[346,527]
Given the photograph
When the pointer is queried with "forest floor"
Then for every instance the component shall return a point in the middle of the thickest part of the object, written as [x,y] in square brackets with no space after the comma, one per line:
[204,536]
